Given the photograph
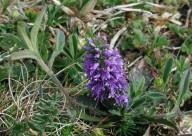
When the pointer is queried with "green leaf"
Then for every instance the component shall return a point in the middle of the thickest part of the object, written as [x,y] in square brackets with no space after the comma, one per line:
[88,7]
[3,73]
[177,29]
[78,67]
[40,117]
[182,64]
[115,112]
[141,121]
[152,111]
[139,102]
[90,33]
[183,86]
[36,128]
[167,69]
[160,41]
[4,4]
[19,128]
[73,43]
[138,24]
[163,121]
[24,54]
[140,37]
[80,54]
[39,122]
[35,29]
[60,41]
[59,47]
[155,95]
[187,47]
[14,39]
[21,29]
[72,114]
[89,118]
[45,102]
[140,86]
[67,53]
[116,22]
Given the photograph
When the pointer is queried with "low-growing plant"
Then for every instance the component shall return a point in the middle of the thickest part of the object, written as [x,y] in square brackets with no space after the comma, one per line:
[95,91]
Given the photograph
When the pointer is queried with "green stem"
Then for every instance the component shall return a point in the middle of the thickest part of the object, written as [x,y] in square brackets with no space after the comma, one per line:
[56,80]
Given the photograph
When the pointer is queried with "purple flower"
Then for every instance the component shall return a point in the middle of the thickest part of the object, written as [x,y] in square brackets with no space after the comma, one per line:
[91,42]
[97,49]
[96,56]
[104,69]
[107,53]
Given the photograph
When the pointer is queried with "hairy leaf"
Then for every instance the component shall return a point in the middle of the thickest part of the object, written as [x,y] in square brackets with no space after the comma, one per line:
[167,69]
[59,47]
[163,121]
[183,85]
[24,54]
[23,33]
[15,39]
[35,29]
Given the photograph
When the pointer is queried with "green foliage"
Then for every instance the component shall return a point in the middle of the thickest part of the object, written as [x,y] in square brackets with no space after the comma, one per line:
[116,22]
[167,122]
[35,30]
[71,60]
[52,39]
[4,4]
[187,47]
[181,64]
[167,69]
[66,130]
[177,29]
[142,111]
[59,47]
[54,18]
[47,112]
[183,88]
[160,41]
[109,3]
[140,38]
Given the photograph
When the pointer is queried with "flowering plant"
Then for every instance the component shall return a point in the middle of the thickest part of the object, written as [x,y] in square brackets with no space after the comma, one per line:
[104,69]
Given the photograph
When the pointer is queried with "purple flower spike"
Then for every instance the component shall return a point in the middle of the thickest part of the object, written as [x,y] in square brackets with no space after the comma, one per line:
[104,69]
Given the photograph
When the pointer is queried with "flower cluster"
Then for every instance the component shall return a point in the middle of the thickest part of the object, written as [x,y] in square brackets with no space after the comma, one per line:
[104,69]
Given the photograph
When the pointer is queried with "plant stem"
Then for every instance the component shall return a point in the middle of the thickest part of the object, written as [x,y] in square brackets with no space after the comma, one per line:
[57,82]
